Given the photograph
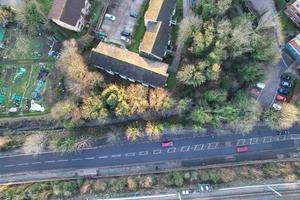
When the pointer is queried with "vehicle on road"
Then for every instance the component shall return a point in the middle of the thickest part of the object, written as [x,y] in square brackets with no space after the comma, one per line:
[111,17]
[283,91]
[287,84]
[125,39]
[125,34]
[204,188]
[280,98]
[168,143]
[286,77]
[277,106]
[283,132]
[241,149]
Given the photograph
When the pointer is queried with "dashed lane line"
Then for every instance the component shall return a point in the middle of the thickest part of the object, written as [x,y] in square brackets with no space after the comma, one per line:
[199,147]
[171,150]
[9,165]
[36,163]
[102,157]
[157,151]
[62,160]
[241,142]
[116,156]
[185,149]
[281,138]
[23,164]
[76,159]
[254,141]
[212,145]
[50,161]
[267,139]
[129,154]
[90,158]
[143,153]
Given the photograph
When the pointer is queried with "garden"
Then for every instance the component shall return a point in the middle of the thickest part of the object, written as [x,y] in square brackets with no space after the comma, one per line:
[23,89]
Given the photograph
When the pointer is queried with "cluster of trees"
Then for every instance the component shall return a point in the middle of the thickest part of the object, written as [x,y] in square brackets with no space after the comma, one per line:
[152,130]
[7,13]
[227,54]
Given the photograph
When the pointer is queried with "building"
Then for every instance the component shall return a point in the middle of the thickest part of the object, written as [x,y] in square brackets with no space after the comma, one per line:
[293,47]
[129,65]
[158,20]
[293,12]
[70,14]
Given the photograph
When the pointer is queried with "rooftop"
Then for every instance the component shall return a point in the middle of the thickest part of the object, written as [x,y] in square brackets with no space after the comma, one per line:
[154,9]
[150,36]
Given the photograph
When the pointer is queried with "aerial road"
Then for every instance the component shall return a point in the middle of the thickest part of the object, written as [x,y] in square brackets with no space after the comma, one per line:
[198,147]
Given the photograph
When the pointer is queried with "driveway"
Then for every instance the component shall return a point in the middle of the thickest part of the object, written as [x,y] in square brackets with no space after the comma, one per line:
[121,9]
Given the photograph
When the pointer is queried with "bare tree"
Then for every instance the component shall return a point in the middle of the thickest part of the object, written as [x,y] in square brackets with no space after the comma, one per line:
[187,26]
[35,144]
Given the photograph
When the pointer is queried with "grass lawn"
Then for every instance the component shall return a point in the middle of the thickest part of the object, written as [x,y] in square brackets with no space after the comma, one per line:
[13,83]
[139,31]
[44,5]
[172,81]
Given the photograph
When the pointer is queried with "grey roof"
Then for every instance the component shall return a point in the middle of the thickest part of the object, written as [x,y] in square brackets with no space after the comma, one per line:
[166,11]
[68,11]
[129,70]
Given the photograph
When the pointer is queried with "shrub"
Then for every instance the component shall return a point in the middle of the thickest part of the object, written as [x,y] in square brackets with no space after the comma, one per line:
[100,186]
[132,184]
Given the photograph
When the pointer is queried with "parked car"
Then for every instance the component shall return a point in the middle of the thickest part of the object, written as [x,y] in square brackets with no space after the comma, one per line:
[111,17]
[280,98]
[241,149]
[277,106]
[125,34]
[125,39]
[204,188]
[133,14]
[168,143]
[261,85]
[284,83]
[283,91]
[286,77]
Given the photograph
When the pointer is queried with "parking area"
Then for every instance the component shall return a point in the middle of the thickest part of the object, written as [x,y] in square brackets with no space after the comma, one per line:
[121,10]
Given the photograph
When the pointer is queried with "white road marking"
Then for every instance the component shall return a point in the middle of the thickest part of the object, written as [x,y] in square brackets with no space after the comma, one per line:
[254,141]
[143,153]
[295,136]
[185,148]
[199,147]
[267,139]
[116,156]
[62,160]
[102,157]
[146,197]
[157,151]
[258,186]
[212,145]
[50,161]
[9,165]
[36,163]
[241,142]
[76,159]
[23,164]
[281,137]
[90,158]
[129,154]
[171,150]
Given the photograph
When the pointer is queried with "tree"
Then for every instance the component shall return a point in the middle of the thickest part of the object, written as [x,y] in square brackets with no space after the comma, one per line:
[35,143]
[201,116]
[132,184]
[31,18]
[192,75]
[7,13]
[93,108]
[160,99]
[289,115]
[136,96]
[187,26]
[174,179]
[132,133]
[215,96]
[251,73]
[113,98]
[153,131]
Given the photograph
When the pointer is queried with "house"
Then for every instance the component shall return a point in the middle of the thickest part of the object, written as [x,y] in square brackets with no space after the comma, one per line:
[158,20]
[70,14]
[293,12]
[293,47]
[129,65]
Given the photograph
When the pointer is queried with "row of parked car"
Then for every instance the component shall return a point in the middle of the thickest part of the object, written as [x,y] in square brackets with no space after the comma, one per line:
[283,91]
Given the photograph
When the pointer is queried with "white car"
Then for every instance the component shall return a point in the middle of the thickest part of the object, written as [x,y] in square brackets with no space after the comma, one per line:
[277,106]
[125,39]
[111,17]
[261,85]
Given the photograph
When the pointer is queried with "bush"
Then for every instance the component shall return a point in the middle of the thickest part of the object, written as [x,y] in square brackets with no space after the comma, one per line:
[100,186]
[174,179]
[132,184]
[148,181]
[270,170]
[210,176]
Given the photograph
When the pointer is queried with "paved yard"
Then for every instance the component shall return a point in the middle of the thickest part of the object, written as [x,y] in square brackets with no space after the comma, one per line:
[121,9]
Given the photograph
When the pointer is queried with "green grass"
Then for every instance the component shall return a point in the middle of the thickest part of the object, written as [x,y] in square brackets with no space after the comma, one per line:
[139,31]
[179,10]
[172,81]
[45,5]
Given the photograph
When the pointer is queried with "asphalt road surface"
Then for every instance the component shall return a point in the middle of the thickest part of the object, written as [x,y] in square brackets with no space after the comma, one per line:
[137,153]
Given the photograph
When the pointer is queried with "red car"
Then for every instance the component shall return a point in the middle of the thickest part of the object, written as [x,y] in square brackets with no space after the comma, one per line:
[168,143]
[280,98]
[241,149]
